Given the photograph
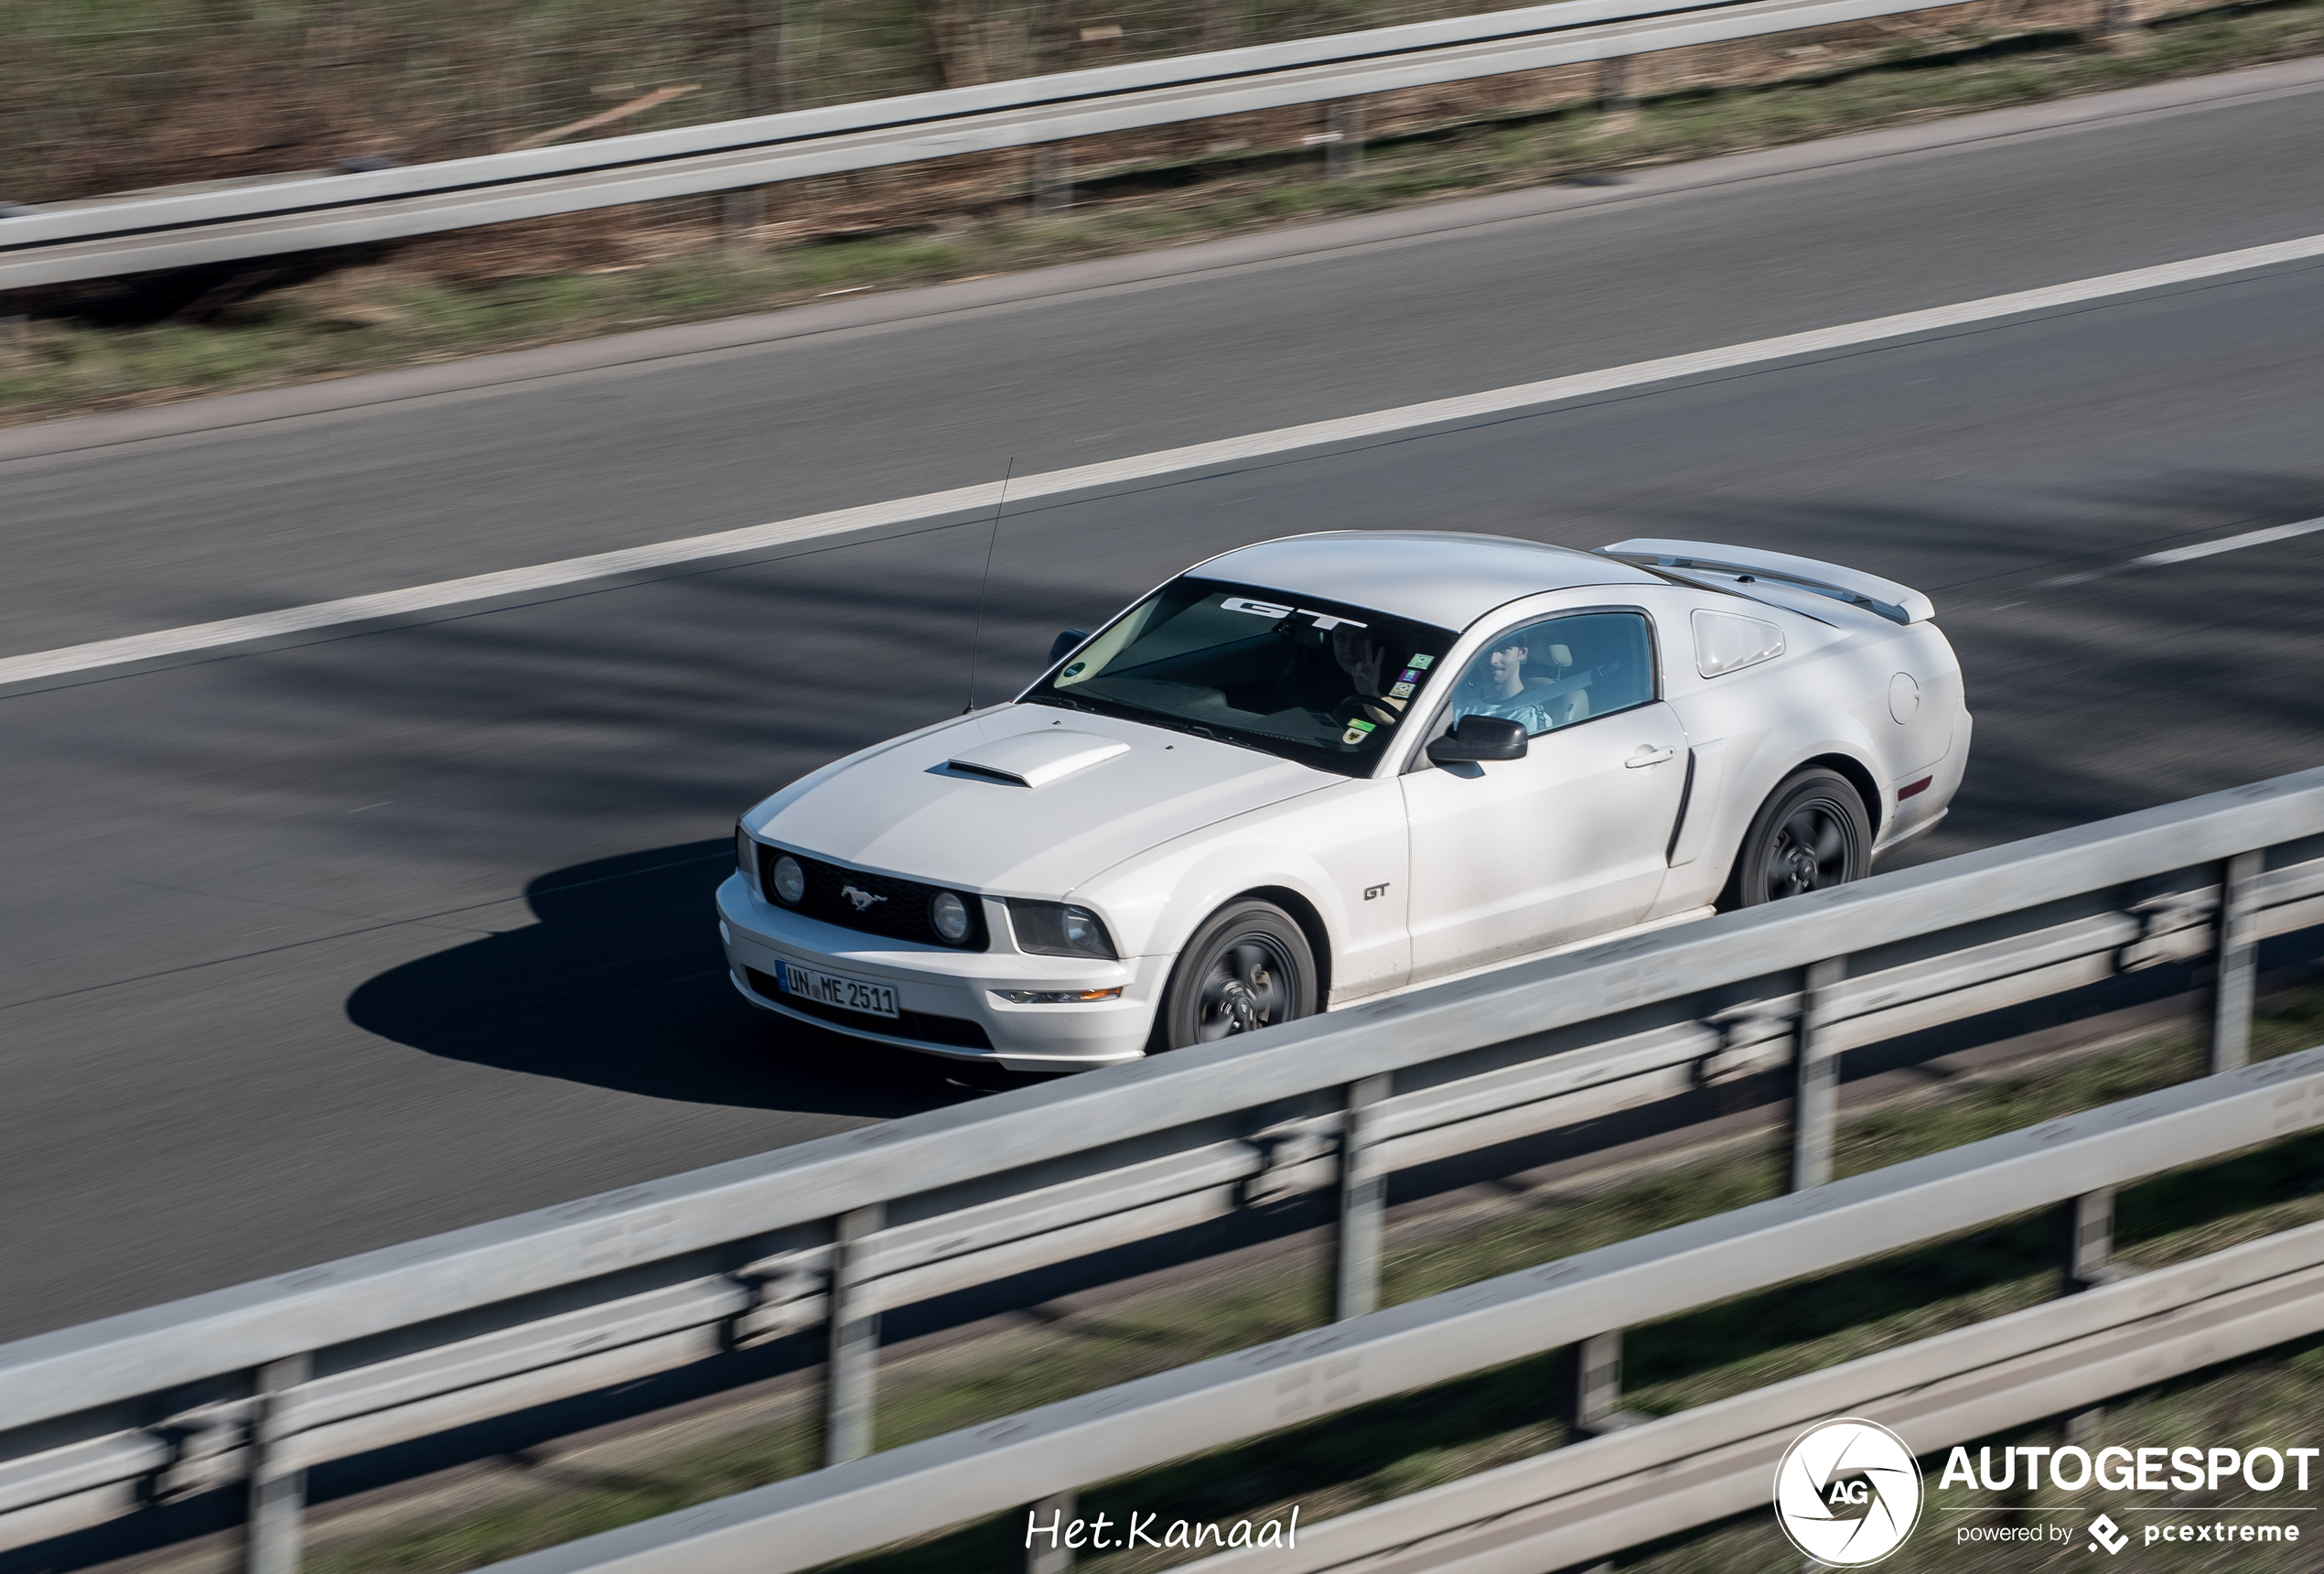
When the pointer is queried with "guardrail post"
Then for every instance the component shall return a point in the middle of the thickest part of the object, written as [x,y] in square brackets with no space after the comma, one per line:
[1052,179]
[1343,154]
[277,1497]
[1597,1404]
[1815,1098]
[2237,960]
[739,216]
[2088,1239]
[851,1371]
[2088,1234]
[1617,104]
[1045,1525]
[1363,1196]
[2119,28]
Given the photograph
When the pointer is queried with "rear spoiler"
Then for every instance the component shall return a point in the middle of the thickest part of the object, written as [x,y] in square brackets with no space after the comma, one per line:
[1897,603]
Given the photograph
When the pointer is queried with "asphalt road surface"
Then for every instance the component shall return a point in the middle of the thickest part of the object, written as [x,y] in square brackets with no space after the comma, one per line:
[314,949]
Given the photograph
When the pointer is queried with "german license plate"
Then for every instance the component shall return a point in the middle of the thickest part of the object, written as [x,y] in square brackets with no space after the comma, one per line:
[832,989]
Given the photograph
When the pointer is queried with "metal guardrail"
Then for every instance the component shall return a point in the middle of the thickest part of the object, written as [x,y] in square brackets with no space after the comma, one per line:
[813,1519]
[250,1385]
[166,231]
[1641,1484]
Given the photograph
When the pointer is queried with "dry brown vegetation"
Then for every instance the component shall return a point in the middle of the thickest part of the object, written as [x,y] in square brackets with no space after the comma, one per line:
[111,95]
[278,320]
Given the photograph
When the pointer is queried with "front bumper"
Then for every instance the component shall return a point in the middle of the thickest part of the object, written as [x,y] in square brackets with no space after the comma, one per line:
[947,996]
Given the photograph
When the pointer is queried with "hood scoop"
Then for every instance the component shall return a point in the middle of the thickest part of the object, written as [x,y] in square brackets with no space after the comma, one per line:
[1034,758]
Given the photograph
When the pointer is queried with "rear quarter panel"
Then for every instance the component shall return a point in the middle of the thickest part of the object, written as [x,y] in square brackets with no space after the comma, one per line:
[1827,695]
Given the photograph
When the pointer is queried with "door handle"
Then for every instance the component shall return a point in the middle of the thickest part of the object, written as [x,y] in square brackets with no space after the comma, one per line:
[1648,755]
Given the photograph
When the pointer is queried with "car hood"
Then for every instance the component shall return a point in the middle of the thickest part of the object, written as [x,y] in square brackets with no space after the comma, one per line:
[1022,799]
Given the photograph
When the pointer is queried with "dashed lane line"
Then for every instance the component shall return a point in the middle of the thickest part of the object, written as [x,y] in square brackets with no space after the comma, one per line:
[2228,544]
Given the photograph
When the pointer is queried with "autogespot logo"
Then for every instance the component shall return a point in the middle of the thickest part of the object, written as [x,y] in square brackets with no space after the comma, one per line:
[1848,1492]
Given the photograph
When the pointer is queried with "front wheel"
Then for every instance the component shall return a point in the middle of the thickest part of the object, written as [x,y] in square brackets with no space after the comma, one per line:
[1248,968]
[1812,833]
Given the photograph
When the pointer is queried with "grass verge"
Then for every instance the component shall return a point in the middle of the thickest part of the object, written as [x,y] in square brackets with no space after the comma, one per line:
[393,313]
[1386,1449]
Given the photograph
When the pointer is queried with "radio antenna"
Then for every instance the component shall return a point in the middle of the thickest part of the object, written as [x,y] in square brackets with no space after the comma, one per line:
[977,641]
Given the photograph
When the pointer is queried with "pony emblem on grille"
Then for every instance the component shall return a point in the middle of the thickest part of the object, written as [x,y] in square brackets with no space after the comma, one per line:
[862,900]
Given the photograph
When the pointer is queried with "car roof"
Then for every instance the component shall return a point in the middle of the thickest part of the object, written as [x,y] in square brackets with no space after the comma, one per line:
[1450,578]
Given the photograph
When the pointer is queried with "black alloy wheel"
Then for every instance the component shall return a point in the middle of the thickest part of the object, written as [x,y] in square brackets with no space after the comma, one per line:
[1811,835]
[1248,968]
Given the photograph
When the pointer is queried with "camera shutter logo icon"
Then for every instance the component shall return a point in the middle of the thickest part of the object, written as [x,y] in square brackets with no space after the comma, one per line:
[1848,1492]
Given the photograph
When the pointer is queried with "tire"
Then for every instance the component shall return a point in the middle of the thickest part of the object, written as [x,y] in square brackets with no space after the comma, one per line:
[1812,833]
[1249,966]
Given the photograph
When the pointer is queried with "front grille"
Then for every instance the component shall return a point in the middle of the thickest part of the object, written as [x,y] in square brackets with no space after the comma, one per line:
[924,1027]
[898,908]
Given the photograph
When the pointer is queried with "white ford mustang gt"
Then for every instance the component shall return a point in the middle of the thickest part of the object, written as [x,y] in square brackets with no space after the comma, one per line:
[1319,769]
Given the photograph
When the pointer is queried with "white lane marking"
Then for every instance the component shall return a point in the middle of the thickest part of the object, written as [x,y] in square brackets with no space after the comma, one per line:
[984,495]
[2230,544]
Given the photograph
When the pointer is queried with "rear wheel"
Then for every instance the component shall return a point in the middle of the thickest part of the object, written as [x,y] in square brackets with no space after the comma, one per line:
[1248,968]
[1812,833]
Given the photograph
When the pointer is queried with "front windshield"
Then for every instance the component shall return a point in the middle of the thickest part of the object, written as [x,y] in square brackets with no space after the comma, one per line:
[1318,682]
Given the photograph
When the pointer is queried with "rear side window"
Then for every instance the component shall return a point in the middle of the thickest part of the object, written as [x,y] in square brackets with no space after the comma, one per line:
[1560,671]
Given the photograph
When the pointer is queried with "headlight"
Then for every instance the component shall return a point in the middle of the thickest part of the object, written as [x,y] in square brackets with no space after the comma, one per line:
[1053,928]
[747,857]
[791,881]
[950,915]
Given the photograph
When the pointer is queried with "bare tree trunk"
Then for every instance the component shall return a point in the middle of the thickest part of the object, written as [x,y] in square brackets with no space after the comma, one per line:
[1218,27]
[766,90]
[766,62]
[956,39]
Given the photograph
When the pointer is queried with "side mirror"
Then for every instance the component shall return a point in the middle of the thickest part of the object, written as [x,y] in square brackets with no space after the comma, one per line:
[1479,738]
[1064,645]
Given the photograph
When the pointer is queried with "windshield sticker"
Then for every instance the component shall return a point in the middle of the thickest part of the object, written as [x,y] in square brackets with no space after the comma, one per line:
[1422,662]
[1357,732]
[1401,691]
[1325,620]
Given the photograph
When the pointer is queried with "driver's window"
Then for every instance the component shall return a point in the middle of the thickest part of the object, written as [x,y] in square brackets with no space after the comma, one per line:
[1560,671]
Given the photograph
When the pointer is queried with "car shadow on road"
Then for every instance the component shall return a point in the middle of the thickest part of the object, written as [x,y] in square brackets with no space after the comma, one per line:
[620,983]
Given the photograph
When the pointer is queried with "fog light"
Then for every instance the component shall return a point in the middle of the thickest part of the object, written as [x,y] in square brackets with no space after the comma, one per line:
[791,881]
[1056,997]
[950,915]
